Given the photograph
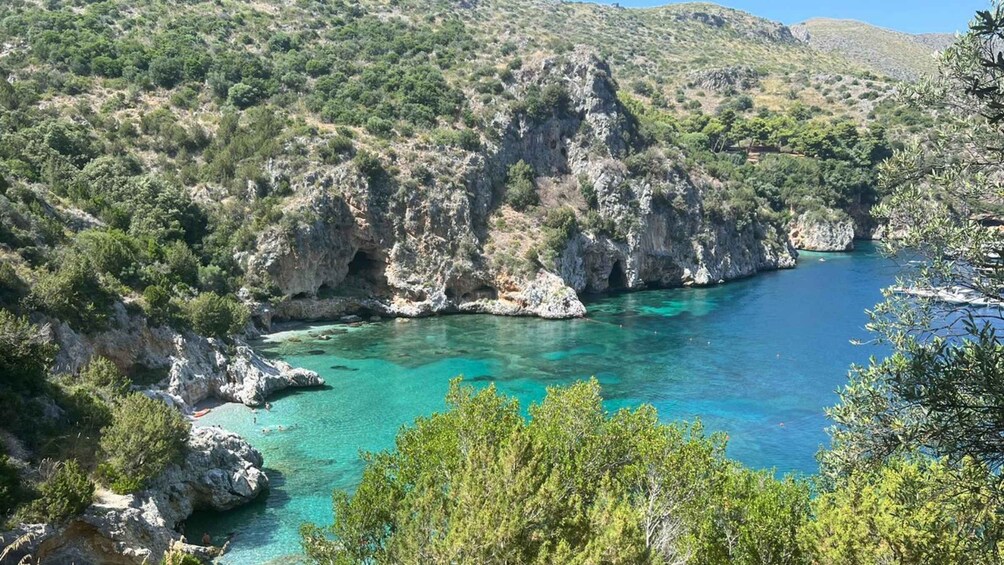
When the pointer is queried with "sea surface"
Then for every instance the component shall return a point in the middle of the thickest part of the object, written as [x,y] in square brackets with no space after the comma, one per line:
[759,359]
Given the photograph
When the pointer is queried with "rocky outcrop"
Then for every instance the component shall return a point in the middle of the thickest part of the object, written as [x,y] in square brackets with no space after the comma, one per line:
[221,471]
[430,238]
[190,368]
[726,79]
[823,231]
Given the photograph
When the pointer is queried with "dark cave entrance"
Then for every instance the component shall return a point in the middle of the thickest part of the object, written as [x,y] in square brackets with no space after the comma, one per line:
[366,271]
[618,278]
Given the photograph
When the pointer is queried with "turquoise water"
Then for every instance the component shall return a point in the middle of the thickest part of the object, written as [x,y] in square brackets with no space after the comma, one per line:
[758,359]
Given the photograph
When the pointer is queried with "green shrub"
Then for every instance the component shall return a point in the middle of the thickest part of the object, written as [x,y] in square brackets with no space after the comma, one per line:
[467,139]
[10,487]
[158,305]
[572,483]
[146,435]
[369,165]
[540,104]
[109,251]
[521,190]
[182,263]
[101,373]
[25,355]
[65,494]
[74,293]
[922,511]
[588,191]
[216,316]
[243,95]
[12,288]
[336,148]
[379,126]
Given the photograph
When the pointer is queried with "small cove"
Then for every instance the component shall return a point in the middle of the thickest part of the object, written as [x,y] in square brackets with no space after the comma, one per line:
[758,359]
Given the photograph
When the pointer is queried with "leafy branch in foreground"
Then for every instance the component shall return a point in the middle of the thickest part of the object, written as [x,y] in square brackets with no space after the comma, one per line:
[923,427]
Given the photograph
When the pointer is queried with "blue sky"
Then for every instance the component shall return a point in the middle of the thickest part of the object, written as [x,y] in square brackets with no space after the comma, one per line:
[912,16]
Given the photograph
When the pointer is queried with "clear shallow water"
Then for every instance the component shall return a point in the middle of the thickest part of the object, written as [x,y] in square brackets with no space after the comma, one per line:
[745,358]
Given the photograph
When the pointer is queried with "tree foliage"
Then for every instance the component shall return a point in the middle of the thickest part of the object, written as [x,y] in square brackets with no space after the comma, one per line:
[521,187]
[65,493]
[25,354]
[146,435]
[939,394]
[479,483]
[214,315]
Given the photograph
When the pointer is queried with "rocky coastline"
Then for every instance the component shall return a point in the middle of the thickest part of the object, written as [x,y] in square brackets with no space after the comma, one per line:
[356,245]
[221,470]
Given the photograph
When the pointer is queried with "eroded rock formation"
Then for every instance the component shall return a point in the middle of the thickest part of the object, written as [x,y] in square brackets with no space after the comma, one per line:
[815,231]
[187,368]
[436,237]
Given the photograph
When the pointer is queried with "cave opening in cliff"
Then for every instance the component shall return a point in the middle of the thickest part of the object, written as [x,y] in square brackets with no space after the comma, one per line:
[618,278]
[366,271]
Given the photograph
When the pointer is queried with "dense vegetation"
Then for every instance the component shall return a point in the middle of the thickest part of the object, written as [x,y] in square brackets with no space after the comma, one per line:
[134,437]
[574,484]
[804,161]
[480,484]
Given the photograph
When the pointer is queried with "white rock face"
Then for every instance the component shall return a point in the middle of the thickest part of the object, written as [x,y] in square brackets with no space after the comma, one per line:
[221,471]
[203,369]
[354,244]
[195,368]
[823,232]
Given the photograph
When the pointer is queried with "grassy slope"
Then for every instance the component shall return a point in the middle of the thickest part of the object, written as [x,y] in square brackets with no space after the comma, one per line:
[884,51]
[665,46]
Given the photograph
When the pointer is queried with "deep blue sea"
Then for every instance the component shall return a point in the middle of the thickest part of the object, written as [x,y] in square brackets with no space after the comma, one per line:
[759,359]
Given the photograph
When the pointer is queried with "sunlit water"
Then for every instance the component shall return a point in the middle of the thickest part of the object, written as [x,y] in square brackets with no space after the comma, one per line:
[758,359]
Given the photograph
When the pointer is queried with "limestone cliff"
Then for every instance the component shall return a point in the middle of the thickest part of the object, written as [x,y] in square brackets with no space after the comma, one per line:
[437,236]
[823,231]
[186,368]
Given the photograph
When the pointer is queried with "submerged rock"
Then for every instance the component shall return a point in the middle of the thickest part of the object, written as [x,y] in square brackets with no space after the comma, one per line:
[823,231]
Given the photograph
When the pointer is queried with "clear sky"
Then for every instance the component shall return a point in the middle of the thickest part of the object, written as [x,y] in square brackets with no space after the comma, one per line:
[911,16]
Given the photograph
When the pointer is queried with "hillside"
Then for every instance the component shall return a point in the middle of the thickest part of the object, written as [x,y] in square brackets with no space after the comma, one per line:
[892,53]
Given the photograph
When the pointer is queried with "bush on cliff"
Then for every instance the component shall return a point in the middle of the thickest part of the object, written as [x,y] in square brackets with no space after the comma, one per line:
[213,315]
[146,435]
[25,355]
[101,374]
[10,487]
[521,190]
[74,292]
[65,493]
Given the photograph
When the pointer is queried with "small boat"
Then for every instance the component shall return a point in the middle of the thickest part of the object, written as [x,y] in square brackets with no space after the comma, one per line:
[203,412]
